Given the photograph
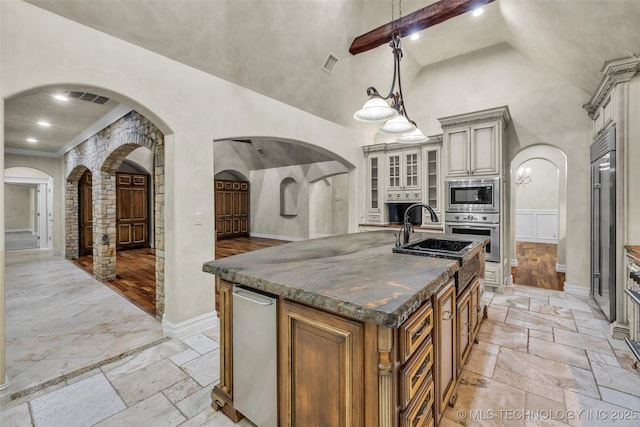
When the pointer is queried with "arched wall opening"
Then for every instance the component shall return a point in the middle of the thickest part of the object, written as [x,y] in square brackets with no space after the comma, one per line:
[291,185]
[538,209]
[29,211]
[103,155]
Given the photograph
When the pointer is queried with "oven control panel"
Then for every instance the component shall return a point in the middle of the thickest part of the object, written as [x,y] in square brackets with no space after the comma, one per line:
[472,217]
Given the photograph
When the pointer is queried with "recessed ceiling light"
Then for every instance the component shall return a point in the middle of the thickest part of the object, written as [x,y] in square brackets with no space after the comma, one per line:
[60,97]
[32,140]
[415,36]
[45,124]
[478,11]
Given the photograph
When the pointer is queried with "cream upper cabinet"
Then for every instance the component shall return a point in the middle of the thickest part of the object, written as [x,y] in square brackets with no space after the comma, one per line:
[472,143]
[402,173]
[484,149]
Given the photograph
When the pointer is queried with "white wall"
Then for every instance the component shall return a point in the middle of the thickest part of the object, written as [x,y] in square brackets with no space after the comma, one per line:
[542,191]
[18,202]
[265,203]
[328,206]
[545,108]
[190,107]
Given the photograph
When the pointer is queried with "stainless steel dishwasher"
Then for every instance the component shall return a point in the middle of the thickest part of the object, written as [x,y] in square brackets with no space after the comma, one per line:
[255,356]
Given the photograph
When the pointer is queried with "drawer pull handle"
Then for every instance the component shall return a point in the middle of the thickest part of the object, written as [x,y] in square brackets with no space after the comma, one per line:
[420,413]
[420,330]
[447,315]
[420,372]
[478,309]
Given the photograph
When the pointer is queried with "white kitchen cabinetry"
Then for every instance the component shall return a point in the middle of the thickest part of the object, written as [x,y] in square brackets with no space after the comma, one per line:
[403,176]
[374,177]
[473,142]
[402,173]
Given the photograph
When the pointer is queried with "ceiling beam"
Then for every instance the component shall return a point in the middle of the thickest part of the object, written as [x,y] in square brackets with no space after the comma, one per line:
[419,20]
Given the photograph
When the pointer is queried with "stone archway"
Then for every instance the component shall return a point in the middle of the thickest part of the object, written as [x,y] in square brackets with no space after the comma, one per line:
[102,154]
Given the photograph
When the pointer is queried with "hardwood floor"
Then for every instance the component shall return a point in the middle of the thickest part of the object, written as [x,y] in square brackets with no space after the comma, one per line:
[135,276]
[537,266]
[240,245]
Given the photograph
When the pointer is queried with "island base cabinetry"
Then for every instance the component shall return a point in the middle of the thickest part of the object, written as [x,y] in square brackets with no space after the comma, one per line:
[337,371]
[321,368]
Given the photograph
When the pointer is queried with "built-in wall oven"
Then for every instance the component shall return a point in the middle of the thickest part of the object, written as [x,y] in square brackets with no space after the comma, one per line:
[472,195]
[476,224]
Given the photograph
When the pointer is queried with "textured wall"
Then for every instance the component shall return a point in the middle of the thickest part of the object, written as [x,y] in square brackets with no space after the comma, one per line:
[546,109]
[542,191]
[18,203]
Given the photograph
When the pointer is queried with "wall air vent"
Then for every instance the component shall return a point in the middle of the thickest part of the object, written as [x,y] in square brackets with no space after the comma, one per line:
[330,63]
[88,97]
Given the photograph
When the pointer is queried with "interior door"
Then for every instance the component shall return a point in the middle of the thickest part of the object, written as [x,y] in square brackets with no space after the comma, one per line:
[85,206]
[232,208]
[131,212]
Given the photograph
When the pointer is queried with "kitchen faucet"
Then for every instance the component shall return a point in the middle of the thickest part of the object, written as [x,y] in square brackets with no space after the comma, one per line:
[407,227]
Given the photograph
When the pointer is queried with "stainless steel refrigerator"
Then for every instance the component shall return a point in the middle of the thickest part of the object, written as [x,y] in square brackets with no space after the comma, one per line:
[603,221]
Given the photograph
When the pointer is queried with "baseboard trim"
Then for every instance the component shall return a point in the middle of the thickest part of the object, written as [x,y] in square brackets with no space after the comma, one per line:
[514,263]
[277,237]
[561,268]
[508,280]
[582,291]
[191,326]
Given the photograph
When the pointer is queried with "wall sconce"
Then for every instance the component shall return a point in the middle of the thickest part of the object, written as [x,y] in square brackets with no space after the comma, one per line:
[522,177]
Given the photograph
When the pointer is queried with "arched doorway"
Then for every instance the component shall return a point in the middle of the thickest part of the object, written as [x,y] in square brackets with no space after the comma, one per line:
[538,216]
[29,199]
[127,207]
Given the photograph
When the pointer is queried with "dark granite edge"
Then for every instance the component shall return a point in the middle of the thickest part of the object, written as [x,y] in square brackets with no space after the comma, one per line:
[329,304]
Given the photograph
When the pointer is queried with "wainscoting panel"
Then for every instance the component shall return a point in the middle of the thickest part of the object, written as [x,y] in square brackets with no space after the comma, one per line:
[537,225]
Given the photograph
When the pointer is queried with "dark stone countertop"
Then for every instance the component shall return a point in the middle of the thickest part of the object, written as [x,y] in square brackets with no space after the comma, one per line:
[355,275]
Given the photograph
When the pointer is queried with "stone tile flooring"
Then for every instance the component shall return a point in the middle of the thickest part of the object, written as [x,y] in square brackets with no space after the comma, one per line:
[60,321]
[543,359]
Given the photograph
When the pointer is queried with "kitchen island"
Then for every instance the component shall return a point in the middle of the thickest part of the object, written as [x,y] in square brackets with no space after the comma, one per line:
[365,336]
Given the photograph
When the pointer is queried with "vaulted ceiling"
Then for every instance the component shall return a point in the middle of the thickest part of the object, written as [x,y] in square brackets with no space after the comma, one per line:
[278,47]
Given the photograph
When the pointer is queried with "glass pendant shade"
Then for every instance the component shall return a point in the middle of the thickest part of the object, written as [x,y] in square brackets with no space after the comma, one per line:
[398,124]
[375,110]
[414,136]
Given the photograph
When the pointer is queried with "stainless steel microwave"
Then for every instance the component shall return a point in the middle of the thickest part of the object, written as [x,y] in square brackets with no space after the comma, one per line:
[472,195]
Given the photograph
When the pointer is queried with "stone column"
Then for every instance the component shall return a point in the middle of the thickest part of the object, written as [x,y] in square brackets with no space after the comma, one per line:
[104,225]
[158,181]
[72,233]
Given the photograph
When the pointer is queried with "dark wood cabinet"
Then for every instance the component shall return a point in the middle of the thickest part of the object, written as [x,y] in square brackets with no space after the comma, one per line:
[85,207]
[232,208]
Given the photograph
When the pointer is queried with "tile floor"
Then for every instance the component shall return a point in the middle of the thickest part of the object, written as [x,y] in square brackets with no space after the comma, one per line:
[543,359]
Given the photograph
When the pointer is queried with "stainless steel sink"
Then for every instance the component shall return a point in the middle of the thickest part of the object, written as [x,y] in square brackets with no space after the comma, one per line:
[437,247]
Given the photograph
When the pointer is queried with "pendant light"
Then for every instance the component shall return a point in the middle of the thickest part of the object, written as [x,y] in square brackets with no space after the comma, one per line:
[377,109]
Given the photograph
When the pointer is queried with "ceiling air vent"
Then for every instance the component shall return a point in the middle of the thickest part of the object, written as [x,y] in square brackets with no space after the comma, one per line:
[89,97]
[330,63]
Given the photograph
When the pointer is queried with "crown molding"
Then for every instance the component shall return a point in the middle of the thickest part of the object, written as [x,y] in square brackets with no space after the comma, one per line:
[37,153]
[498,113]
[615,71]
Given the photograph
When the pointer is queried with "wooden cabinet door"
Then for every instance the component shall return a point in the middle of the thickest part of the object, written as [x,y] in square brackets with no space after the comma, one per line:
[445,335]
[463,318]
[131,210]
[484,149]
[456,143]
[85,206]
[476,308]
[232,208]
[321,368]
